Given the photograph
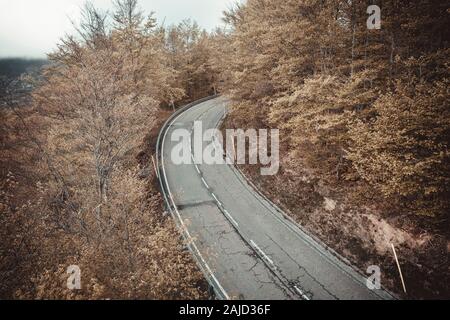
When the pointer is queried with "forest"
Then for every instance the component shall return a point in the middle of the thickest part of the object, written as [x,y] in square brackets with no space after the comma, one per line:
[364,123]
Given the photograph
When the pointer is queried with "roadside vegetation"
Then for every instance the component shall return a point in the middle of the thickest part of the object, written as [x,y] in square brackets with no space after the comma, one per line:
[364,124]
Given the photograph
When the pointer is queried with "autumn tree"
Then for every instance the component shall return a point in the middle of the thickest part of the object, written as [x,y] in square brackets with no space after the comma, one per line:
[91,205]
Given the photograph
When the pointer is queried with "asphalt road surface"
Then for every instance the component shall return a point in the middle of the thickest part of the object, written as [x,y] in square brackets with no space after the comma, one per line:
[246,246]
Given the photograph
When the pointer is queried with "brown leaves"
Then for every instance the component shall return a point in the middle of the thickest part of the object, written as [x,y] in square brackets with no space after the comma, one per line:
[99,99]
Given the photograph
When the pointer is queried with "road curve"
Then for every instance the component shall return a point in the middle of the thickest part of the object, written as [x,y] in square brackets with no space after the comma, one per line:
[245,246]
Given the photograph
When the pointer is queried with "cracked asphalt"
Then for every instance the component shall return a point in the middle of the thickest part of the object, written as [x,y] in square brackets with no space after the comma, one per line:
[252,250]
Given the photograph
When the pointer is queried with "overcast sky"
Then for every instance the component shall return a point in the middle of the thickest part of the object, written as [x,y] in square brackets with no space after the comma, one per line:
[31,28]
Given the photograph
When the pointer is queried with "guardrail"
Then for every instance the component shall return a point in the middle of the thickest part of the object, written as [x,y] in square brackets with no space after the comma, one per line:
[212,281]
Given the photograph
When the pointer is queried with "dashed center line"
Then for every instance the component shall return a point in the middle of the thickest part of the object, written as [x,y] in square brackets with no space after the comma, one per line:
[218,146]
[262,252]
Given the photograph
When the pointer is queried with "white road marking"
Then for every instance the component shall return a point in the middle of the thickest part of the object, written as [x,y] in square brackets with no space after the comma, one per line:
[261,252]
[304,237]
[217,200]
[154,167]
[304,296]
[204,182]
[196,168]
[398,266]
[192,243]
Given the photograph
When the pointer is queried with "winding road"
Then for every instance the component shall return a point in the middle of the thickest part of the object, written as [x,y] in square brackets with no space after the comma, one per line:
[245,246]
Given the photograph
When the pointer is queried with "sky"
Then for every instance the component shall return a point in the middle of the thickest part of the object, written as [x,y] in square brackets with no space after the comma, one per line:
[32,28]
